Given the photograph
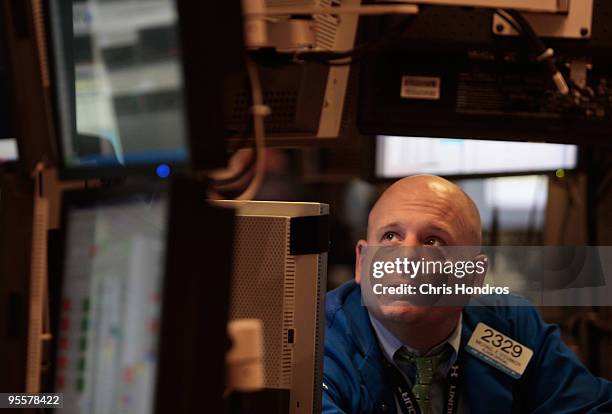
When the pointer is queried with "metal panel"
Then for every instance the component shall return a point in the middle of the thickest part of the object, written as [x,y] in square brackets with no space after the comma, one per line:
[337,81]
[551,6]
[286,292]
[263,287]
[576,24]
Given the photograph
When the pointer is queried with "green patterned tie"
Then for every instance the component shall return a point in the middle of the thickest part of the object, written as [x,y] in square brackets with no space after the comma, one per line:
[421,371]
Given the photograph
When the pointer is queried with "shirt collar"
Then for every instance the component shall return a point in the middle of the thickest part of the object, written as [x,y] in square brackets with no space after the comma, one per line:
[390,343]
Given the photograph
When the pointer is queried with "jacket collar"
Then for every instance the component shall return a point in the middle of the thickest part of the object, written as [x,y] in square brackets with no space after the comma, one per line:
[347,299]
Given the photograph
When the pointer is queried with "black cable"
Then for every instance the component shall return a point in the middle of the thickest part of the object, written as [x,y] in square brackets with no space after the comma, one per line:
[237,146]
[239,175]
[247,167]
[511,22]
[534,39]
[543,53]
[523,28]
[359,52]
[516,20]
[249,125]
[512,17]
[355,55]
[325,57]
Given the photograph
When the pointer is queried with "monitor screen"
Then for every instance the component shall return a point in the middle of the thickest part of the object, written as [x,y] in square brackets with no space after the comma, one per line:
[110,303]
[119,84]
[8,150]
[401,156]
[513,202]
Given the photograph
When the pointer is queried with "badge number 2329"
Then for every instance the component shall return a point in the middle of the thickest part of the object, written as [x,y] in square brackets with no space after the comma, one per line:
[499,350]
[505,344]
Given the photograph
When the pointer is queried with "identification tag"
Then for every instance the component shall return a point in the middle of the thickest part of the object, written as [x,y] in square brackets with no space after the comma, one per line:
[498,350]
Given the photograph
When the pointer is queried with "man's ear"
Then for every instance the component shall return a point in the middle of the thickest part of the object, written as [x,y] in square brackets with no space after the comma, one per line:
[482,260]
[361,244]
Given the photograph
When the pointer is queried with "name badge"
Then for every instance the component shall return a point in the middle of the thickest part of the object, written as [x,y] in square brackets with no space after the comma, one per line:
[498,350]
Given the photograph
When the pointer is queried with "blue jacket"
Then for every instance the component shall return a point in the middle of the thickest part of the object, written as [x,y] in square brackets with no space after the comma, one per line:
[554,381]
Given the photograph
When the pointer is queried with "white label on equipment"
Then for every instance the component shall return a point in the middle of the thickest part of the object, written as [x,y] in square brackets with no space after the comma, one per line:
[420,87]
[498,350]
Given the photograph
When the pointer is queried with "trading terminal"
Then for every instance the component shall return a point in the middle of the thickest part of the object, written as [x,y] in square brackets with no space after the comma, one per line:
[199,201]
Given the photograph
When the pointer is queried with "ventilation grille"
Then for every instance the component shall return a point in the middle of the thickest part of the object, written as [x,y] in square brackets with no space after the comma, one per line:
[283,105]
[326,25]
[288,313]
[263,287]
[319,333]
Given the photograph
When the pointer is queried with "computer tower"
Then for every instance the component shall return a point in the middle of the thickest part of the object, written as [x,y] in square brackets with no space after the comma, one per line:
[279,277]
[306,99]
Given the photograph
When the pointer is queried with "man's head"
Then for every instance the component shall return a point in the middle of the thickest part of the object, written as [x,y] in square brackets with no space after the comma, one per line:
[420,211]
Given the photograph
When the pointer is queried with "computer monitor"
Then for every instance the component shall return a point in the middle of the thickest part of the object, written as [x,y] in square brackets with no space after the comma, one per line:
[472,80]
[111,301]
[118,85]
[8,150]
[140,311]
[139,85]
[401,156]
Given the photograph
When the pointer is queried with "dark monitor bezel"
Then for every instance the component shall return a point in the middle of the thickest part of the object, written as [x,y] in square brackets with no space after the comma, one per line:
[426,50]
[28,93]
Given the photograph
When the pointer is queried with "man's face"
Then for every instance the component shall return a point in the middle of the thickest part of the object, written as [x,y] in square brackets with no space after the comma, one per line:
[418,212]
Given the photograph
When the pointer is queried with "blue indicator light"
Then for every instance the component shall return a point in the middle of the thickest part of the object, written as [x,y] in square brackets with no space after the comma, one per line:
[163,170]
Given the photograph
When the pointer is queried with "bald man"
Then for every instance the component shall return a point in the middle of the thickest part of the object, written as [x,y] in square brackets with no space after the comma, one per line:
[392,356]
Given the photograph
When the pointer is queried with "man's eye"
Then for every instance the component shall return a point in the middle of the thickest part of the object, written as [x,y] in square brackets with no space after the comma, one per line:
[433,241]
[390,236]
